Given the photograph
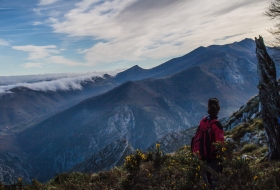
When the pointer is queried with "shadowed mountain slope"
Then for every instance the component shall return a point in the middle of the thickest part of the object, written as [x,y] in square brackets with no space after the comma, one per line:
[143,111]
[106,158]
[200,56]
[140,112]
[25,107]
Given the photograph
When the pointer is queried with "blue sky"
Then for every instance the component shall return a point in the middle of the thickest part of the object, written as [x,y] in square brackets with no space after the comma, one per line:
[76,36]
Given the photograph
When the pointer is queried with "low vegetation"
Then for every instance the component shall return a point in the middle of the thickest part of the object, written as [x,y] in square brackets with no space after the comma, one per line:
[239,131]
[244,168]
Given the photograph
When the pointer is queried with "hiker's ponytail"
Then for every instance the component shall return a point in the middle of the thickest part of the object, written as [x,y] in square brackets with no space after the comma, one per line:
[213,106]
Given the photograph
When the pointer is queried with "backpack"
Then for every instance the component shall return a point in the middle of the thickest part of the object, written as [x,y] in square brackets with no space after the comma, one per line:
[202,141]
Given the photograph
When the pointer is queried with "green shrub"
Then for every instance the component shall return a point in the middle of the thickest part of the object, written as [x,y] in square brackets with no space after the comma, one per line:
[249,148]
[240,130]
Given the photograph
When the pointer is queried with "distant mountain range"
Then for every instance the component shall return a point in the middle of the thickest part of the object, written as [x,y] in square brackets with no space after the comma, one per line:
[134,109]
[22,107]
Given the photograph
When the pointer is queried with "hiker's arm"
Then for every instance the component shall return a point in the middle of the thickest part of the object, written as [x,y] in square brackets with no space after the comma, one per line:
[218,132]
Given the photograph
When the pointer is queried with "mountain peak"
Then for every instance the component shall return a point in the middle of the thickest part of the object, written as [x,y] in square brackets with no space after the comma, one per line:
[247,43]
[136,67]
[247,39]
[133,71]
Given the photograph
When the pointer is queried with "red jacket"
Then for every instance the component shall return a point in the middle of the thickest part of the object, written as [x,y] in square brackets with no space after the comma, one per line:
[217,133]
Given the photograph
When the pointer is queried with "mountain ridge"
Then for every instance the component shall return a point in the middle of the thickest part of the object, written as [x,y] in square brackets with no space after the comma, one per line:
[141,111]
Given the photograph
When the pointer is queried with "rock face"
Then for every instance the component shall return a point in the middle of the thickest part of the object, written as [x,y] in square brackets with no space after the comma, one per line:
[269,98]
[122,122]
[12,167]
[173,141]
[106,158]
[259,138]
[246,112]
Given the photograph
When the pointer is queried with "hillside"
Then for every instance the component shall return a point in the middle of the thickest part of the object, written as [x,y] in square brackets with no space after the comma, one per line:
[243,158]
[242,125]
[142,111]
[22,107]
[105,159]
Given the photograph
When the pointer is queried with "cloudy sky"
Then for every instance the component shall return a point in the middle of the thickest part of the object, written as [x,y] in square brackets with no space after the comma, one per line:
[70,36]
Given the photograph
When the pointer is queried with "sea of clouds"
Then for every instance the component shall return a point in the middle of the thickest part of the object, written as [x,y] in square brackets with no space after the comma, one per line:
[50,82]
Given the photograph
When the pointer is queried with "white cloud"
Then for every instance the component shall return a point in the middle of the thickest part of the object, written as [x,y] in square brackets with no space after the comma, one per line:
[32,65]
[63,61]
[37,23]
[4,42]
[81,51]
[45,54]
[50,82]
[143,29]
[13,80]
[37,11]
[47,2]
[37,52]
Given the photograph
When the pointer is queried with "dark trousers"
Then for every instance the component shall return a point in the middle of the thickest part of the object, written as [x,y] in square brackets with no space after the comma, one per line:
[216,166]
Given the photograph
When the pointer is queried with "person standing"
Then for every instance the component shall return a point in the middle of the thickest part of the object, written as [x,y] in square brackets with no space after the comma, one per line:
[210,131]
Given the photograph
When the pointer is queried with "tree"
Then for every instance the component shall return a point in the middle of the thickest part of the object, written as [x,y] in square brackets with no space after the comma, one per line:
[273,12]
[269,98]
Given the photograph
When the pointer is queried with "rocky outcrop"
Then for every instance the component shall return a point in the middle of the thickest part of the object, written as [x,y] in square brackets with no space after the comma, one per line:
[269,98]
[173,141]
[105,159]
[12,167]
[256,137]
[246,112]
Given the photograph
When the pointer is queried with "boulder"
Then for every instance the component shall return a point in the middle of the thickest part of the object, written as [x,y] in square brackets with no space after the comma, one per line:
[246,138]
[230,140]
